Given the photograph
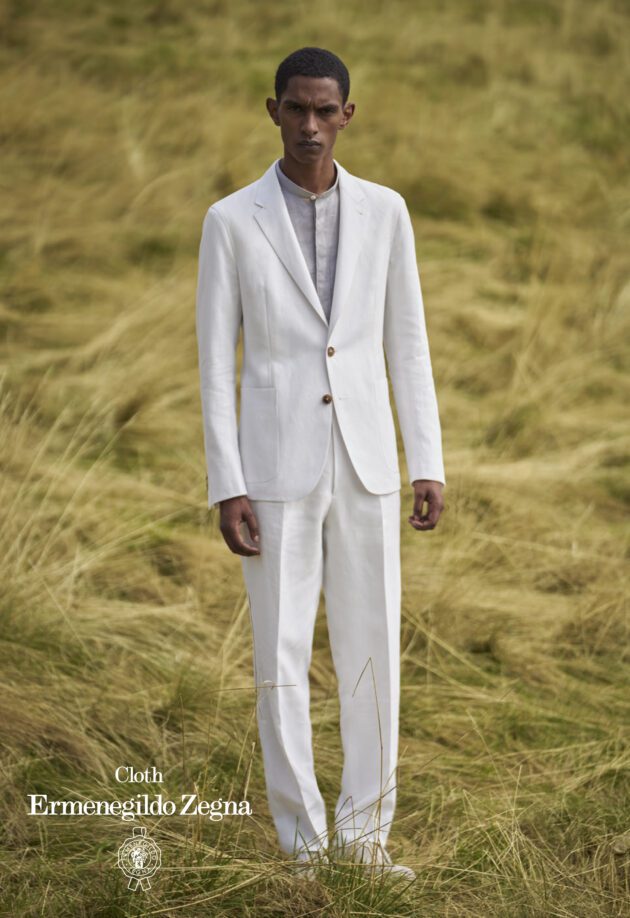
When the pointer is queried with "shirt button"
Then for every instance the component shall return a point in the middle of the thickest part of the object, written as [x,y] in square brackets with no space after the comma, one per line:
[313,197]
[327,398]
[331,351]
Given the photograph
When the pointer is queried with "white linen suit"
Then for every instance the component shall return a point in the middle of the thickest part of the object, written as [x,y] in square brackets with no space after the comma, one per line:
[315,450]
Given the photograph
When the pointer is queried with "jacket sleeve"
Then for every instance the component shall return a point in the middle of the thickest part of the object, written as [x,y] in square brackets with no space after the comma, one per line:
[408,359]
[218,321]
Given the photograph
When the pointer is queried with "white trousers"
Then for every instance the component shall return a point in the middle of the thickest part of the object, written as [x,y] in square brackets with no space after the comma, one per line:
[346,541]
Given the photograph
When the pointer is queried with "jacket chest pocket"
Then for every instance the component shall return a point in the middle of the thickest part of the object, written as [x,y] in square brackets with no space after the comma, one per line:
[258,433]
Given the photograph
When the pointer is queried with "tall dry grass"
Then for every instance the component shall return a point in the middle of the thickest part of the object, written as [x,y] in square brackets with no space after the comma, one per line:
[124,628]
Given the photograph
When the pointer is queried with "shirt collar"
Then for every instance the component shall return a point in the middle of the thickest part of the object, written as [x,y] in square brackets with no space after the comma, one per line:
[291,186]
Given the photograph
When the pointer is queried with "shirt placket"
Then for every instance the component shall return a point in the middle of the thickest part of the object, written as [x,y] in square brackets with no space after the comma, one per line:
[318,218]
[315,236]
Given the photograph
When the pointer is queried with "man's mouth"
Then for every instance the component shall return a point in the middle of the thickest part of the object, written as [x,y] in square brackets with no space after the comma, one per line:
[310,143]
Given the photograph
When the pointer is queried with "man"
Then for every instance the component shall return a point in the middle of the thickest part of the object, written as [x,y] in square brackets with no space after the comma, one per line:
[319,268]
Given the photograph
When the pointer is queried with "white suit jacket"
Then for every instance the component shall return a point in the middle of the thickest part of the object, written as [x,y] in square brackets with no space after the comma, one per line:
[297,368]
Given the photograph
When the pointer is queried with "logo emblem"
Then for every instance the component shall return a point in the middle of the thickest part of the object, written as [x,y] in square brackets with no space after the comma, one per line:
[139,858]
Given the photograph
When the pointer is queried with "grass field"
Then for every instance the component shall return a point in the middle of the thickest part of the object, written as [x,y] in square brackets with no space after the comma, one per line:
[125,636]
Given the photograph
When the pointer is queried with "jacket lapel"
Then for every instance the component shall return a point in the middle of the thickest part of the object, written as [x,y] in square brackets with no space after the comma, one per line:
[272,215]
[352,228]
[273,218]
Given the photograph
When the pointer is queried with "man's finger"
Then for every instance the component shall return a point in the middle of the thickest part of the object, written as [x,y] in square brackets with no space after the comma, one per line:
[230,530]
[424,521]
[418,505]
[252,524]
[421,522]
[435,509]
[237,544]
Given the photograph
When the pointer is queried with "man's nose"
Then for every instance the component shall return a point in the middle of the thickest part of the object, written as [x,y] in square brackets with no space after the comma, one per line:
[309,125]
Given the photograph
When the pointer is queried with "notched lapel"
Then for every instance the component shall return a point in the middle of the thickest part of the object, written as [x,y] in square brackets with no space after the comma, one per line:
[272,216]
[352,228]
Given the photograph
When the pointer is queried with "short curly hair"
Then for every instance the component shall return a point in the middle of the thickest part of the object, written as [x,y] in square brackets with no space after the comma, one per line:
[313,62]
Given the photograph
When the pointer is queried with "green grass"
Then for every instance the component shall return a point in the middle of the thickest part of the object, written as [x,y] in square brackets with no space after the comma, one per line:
[124,628]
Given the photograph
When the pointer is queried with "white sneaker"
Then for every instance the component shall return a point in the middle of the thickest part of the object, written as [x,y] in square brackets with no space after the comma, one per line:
[375,857]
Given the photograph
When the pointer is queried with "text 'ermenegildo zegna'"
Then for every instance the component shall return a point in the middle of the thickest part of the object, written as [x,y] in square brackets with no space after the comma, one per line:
[141,804]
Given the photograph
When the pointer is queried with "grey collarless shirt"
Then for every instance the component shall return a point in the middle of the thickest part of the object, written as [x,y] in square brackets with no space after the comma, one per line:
[315,219]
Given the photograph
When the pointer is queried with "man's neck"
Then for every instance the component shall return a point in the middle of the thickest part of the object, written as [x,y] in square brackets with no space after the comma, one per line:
[316,177]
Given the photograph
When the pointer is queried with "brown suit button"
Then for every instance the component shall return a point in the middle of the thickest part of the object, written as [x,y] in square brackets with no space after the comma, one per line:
[331,351]
[327,398]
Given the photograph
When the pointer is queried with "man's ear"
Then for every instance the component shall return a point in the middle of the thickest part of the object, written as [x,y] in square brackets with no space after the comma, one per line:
[348,112]
[272,108]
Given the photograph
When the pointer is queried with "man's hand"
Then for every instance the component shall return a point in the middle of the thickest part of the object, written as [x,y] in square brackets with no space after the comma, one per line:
[431,491]
[234,511]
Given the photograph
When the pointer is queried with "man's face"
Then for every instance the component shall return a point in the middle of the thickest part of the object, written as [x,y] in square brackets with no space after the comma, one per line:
[309,113]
